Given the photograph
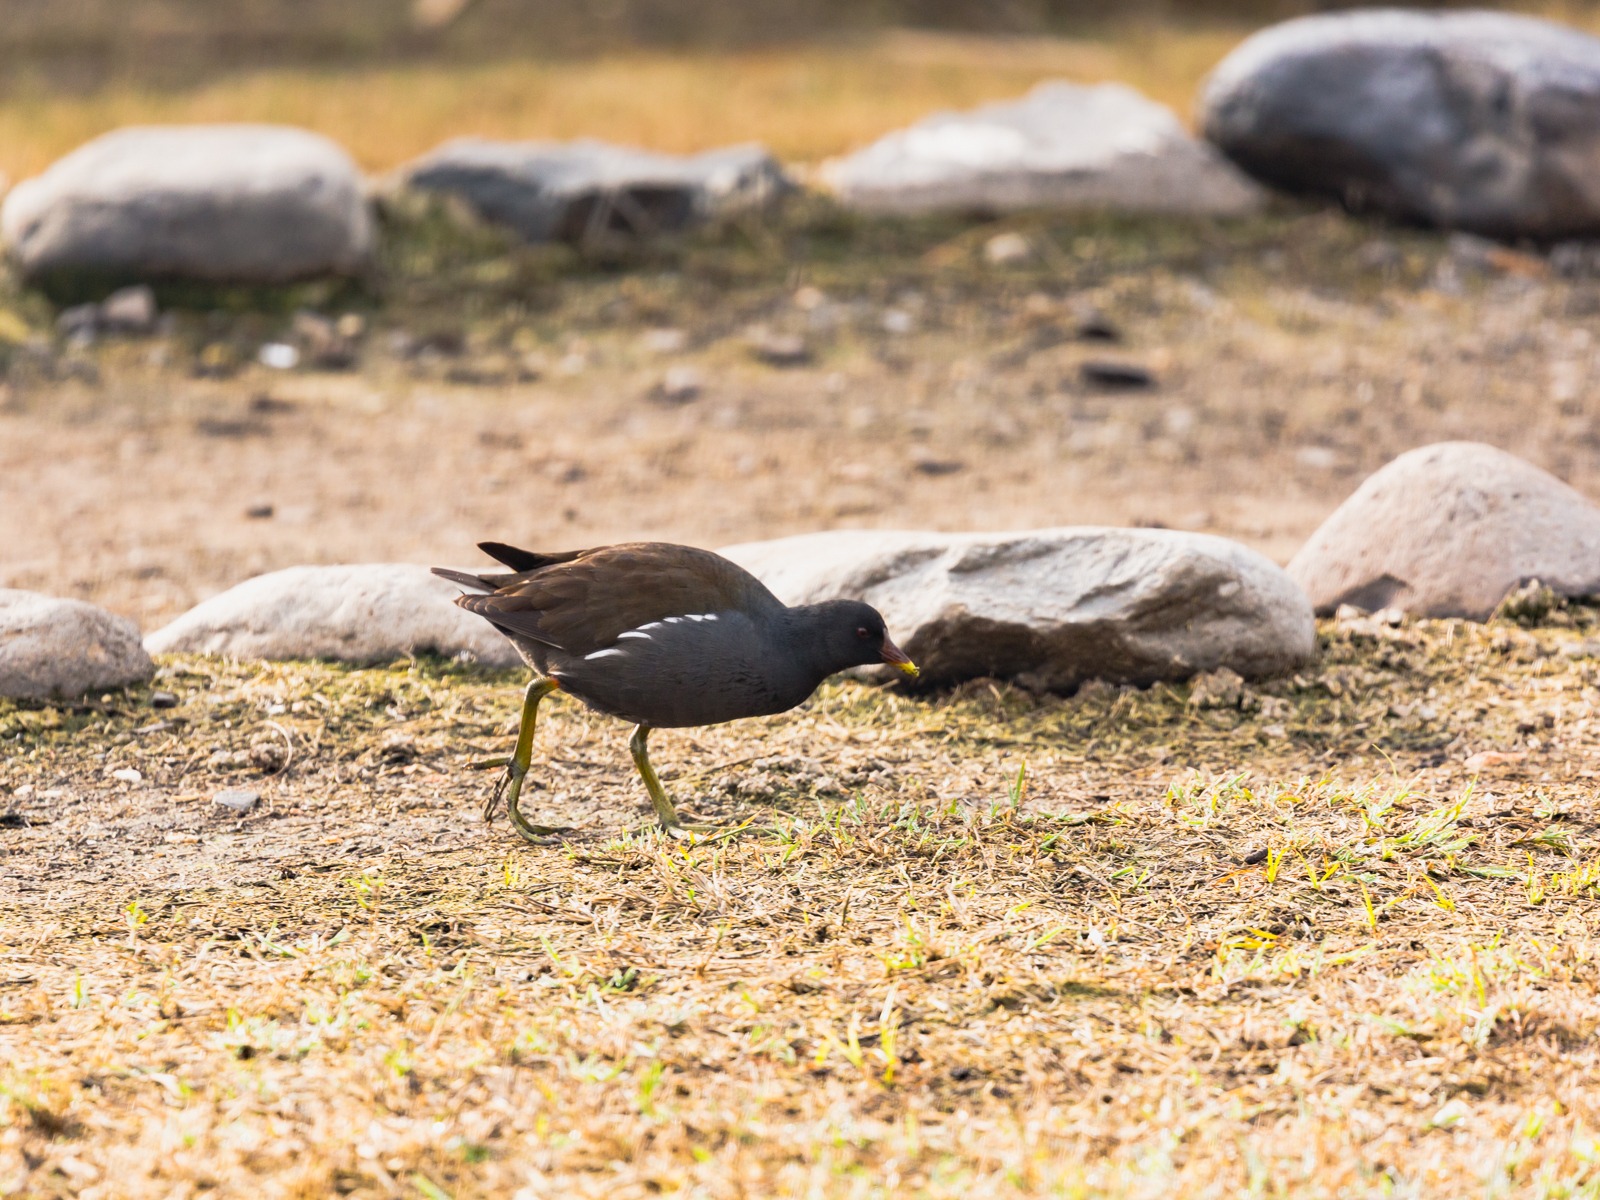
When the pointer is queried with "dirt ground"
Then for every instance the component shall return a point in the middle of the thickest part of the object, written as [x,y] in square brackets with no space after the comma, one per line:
[1336,937]
[1291,356]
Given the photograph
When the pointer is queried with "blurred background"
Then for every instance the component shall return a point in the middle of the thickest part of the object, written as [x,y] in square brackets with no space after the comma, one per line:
[471,386]
[390,78]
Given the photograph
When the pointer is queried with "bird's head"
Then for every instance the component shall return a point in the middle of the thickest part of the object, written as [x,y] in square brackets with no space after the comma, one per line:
[855,635]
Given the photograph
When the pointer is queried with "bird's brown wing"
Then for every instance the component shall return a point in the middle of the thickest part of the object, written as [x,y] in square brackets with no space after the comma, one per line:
[580,603]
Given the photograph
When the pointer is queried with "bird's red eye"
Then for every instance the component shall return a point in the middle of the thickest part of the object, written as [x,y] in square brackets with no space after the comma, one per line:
[863,633]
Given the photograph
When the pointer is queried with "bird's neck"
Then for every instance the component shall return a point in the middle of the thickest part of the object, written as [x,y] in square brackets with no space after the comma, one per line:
[805,648]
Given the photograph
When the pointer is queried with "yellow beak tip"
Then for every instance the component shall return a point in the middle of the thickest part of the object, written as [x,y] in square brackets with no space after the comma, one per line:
[910,668]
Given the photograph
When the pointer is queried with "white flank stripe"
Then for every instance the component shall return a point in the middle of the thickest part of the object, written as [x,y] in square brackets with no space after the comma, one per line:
[603,653]
[633,633]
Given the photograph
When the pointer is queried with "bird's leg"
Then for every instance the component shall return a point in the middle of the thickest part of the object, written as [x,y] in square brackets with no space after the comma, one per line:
[665,813]
[510,784]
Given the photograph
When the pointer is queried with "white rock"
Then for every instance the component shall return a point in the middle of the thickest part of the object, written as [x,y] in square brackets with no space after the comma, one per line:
[225,203]
[280,356]
[1061,146]
[1006,248]
[578,191]
[1052,608]
[238,800]
[54,647]
[1447,531]
[129,310]
[1473,120]
[373,612]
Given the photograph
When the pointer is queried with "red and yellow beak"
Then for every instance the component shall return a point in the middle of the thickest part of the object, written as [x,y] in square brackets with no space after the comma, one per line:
[896,657]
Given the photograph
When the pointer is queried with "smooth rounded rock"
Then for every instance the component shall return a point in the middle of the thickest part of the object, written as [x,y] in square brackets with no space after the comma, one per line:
[1480,121]
[50,647]
[584,190]
[1052,608]
[1447,531]
[1062,145]
[372,612]
[218,203]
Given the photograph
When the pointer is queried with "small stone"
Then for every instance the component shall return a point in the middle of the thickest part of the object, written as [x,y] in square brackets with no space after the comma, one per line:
[1116,376]
[898,321]
[238,801]
[778,349]
[665,341]
[129,310]
[1097,327]
[679,385]
[1005,249]
[1222,688]
[279,356]
[127,775]
[259,512]
[1317,458]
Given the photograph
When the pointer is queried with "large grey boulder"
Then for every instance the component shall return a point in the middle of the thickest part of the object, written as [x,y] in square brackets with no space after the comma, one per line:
[218,203]
[374,612]
[585,190]
[1447,531]
[1061,146]
[54,647]
[1052,608]
[1481,121]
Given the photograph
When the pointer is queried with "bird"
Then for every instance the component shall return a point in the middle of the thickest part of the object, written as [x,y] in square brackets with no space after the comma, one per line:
[665,637]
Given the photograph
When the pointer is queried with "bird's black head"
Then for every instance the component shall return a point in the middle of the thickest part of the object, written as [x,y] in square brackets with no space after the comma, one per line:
[847,633]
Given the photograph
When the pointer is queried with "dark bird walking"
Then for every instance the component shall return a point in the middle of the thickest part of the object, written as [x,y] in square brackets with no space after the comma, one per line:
[663,636]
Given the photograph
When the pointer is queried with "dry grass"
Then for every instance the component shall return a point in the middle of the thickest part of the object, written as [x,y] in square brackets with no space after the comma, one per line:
[806,103]
[1298,947]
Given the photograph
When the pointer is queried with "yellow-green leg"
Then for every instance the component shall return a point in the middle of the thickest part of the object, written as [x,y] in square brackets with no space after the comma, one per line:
[665,813]
[516,766]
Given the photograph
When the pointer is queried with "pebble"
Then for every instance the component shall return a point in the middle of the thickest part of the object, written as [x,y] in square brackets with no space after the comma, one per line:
[279,356]
[680,384]
[238,801]
[1006,248]
[1116,375]
[778,349]
[163,700]
[1097,327]
[128,775]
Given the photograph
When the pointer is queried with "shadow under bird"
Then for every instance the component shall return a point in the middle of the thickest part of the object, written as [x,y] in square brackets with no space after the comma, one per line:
[663,636]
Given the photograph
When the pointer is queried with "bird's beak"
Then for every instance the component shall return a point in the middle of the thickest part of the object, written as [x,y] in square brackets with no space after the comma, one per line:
[896,657]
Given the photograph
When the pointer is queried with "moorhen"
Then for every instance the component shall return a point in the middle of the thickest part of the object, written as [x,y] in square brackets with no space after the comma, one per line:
[664,636]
